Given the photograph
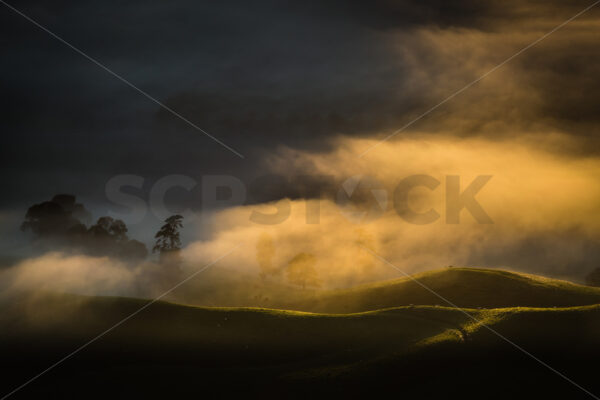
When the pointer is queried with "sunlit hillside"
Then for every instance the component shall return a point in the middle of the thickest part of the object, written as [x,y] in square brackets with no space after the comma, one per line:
[463,287]
[423,348]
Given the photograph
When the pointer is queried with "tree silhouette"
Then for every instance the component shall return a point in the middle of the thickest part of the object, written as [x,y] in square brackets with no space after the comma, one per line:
[109,227]
[55,217]
[61,222]
[168,242]
[301,271]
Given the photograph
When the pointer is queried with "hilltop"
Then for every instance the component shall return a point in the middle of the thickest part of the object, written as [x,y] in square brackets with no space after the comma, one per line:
[464,287]
[420,350]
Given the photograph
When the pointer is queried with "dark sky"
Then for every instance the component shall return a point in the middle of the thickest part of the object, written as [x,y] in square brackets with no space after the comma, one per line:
[290,81]
[256,75]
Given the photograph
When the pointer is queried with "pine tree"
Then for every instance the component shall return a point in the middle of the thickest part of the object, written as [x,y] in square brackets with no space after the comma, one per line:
[168,241]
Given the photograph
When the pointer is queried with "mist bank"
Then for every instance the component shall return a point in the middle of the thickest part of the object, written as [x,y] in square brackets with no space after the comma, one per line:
[543,209]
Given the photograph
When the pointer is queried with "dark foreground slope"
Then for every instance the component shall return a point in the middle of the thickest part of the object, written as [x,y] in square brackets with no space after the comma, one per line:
[464,287]
[174,351]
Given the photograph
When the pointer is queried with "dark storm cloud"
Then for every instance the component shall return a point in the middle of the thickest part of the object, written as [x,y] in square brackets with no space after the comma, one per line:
[273,79]
[399,62]
[572,103]
[255,75]
[259,75]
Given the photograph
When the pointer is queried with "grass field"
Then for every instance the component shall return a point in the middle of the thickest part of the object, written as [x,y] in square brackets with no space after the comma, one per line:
[464,287]
[420,350]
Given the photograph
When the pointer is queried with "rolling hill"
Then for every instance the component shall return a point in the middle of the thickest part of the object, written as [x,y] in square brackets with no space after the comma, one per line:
[464,287]
[173,350]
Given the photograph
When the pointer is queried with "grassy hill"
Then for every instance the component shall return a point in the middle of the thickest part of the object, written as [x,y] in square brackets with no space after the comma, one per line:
[178,329]
[464,287]
[171,340]
[173,350]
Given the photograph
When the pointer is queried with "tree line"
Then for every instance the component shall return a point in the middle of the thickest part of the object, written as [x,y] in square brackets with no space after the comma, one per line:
[62,223]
